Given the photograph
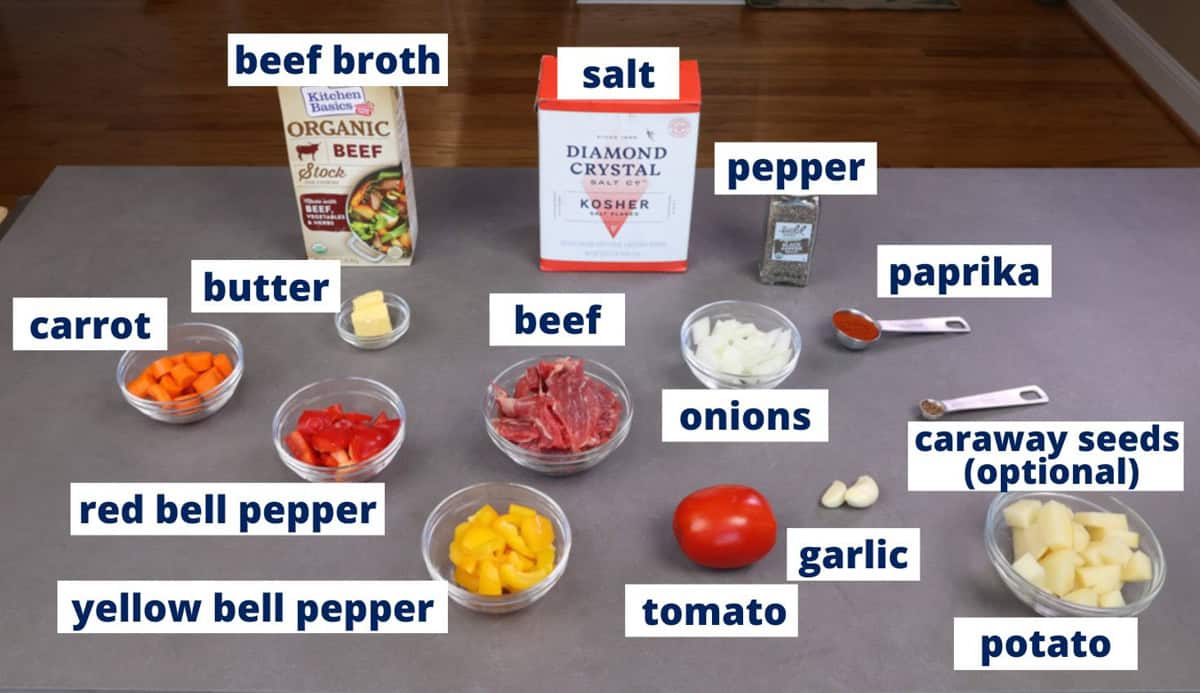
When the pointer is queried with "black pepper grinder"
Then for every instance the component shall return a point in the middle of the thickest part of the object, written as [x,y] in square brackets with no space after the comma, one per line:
[788,237]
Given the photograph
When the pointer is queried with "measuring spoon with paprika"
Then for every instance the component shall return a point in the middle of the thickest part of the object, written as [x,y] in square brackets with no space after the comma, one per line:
[856,330]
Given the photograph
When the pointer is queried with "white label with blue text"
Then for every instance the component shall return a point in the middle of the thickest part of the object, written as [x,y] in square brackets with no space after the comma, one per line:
[793,241]
[795,168]
[737,416]
[963,271]
[89,324]
[266,286]
[256,607]
[337,60]
[711,611]
[1046,644]
[556,319]
[602,74]
[856,554]
[1045,456]
[204,509]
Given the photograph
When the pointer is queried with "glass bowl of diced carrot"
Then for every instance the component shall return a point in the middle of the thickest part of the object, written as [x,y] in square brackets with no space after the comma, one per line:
[192,380]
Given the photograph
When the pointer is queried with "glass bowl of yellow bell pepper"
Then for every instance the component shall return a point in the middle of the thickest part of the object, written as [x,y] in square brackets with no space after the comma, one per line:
[499,546]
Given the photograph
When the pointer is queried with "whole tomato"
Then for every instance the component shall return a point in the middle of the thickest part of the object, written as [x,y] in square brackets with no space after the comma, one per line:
[725,526]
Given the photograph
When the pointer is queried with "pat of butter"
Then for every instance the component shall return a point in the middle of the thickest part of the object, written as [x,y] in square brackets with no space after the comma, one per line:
[372,321]
[368,299]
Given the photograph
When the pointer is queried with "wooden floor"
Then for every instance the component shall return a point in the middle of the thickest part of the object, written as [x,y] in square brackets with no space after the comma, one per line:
[1001,83]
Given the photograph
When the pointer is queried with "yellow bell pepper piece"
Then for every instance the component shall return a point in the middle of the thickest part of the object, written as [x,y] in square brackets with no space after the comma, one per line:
[462,560]
[489,579]
[484,517]
[538,532]
[482,542]
[460,529]
[466,580]
[512,536]
[521,510]
[545,559]
[517,561]
[517,580]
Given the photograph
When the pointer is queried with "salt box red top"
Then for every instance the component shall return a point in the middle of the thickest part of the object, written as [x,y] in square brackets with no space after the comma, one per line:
[688,101]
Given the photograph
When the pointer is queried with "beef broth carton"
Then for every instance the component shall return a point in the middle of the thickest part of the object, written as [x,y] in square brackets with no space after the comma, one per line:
[348,150]
[615,178]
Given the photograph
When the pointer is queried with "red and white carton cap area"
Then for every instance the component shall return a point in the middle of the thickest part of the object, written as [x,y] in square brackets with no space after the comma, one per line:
[616,177]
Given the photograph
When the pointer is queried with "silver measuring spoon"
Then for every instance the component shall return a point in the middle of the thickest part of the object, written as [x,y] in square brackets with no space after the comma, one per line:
[952,323]
[1015,397]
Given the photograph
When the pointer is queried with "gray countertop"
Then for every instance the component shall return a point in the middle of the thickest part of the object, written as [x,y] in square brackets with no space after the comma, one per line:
[1117,342]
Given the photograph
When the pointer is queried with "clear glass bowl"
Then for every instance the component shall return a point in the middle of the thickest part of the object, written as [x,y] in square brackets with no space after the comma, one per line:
[187,336]
[558,463]
[764,318]
[398,311]
[997,538]
[457,507]
[355,395]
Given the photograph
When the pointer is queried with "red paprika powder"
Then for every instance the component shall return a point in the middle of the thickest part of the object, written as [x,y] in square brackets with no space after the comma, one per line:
[855,325]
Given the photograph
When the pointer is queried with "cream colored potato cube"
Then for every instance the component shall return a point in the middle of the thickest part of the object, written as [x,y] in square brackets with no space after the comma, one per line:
[1027,567]
[1028,541]
[1113,552]
[1102,578]
[1138,568]
[1111,600]
[1085,596]
[1023,513]
[1124,536]
[1091,554]
[1106,520]
[1060,571]
[1082,538]
[1054,523]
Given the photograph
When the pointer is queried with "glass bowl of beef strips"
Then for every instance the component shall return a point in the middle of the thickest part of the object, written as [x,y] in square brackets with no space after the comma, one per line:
[557,415]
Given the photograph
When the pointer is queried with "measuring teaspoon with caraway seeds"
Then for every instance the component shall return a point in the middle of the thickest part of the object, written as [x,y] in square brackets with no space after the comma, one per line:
[1015,397]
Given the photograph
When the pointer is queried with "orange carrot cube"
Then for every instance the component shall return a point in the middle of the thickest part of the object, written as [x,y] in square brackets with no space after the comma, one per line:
[140,385]
[161,367]
[157,392]
[184,375]
[208,380]
[222,363]
[168,383]
[200,361]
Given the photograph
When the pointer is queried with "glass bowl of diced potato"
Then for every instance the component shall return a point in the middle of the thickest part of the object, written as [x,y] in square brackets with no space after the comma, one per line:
[1074,555]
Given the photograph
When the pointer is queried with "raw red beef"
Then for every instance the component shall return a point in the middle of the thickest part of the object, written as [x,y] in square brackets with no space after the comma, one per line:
[556,407]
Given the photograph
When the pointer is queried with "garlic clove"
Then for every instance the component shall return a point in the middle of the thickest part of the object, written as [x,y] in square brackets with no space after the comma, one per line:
[835,495]
[863,493]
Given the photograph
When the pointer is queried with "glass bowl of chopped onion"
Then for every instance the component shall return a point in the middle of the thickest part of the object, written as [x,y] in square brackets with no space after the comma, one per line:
[540,426]
[739,345]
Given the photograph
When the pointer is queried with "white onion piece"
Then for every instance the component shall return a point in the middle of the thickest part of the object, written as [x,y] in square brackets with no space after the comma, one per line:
[740,348]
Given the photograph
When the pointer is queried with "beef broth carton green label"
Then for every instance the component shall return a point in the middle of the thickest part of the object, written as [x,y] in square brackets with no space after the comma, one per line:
[352,173]
[615,178]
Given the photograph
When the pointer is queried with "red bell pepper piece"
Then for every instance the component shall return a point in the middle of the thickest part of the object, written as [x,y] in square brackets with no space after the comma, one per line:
[299,448]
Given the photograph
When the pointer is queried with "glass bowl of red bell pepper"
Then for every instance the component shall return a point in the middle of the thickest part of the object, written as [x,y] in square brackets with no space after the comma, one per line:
[343,429]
